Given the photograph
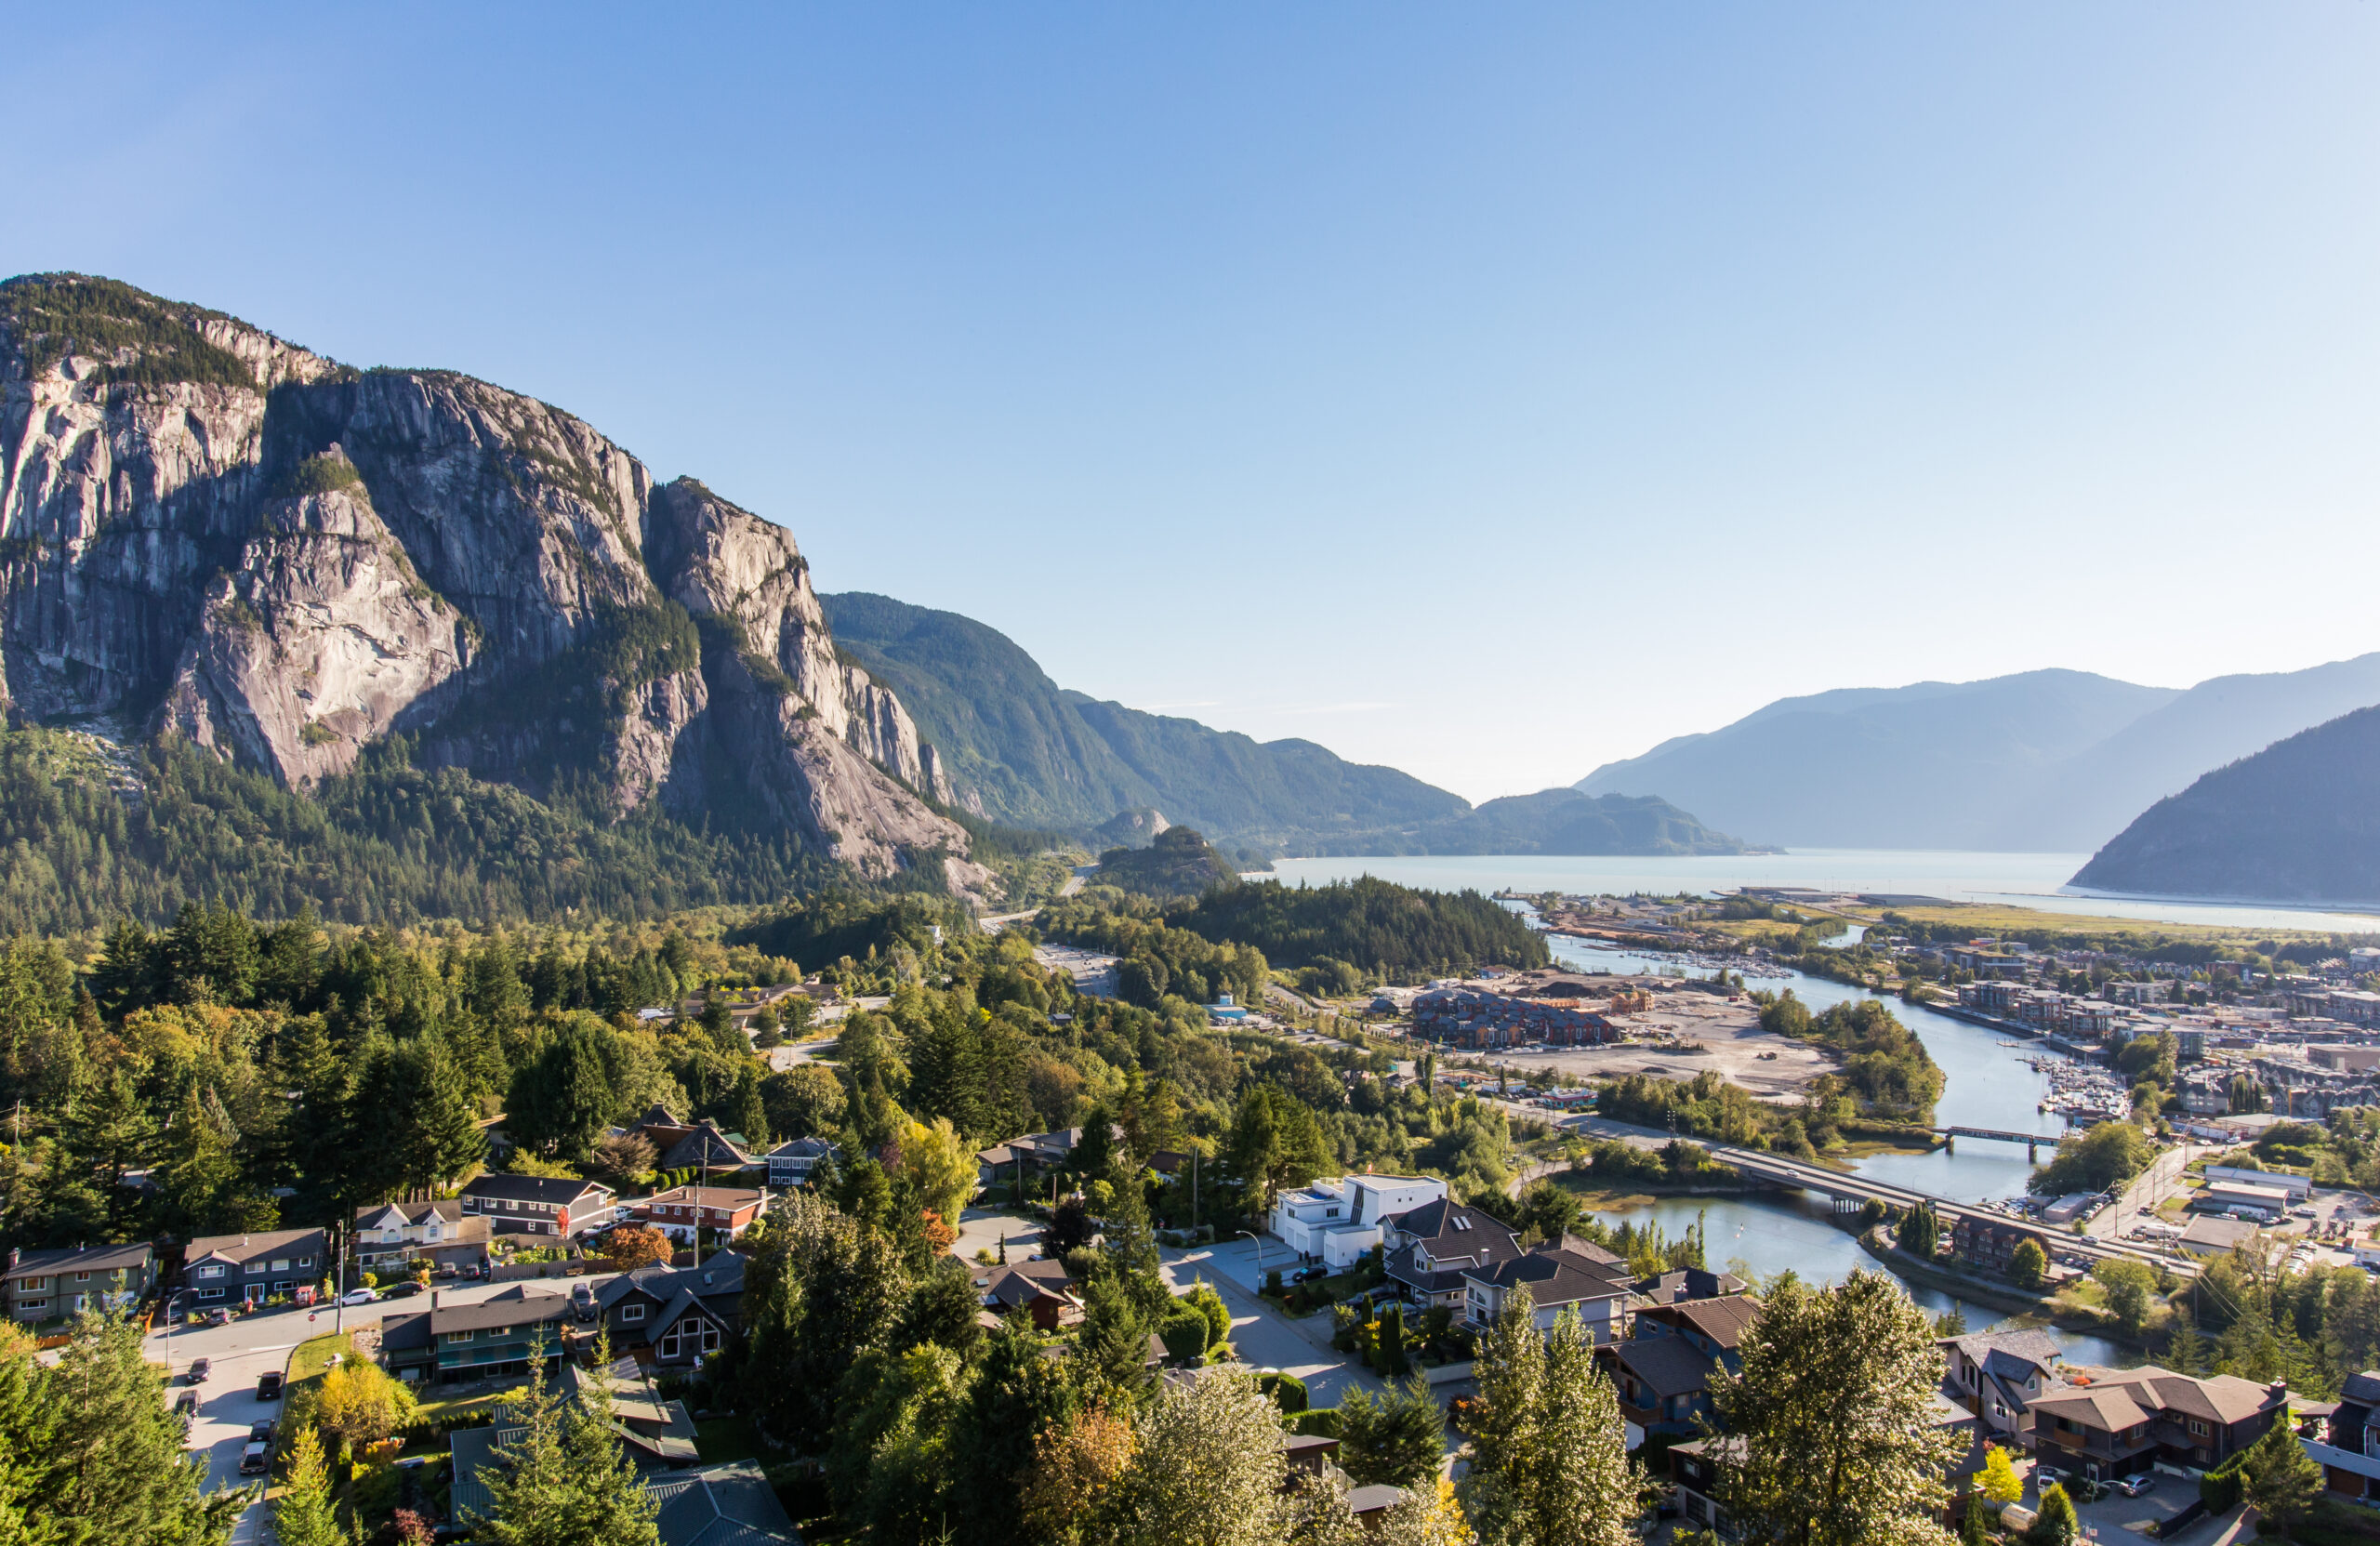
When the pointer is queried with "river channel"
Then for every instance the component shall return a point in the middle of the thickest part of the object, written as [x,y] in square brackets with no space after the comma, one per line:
[1986,1084]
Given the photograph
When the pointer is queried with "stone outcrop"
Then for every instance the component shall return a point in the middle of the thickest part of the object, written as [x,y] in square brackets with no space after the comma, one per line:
[319,637]
[215,534]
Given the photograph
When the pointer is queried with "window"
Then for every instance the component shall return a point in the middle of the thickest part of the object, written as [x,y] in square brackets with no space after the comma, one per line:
[82,1278]
[32,1284]
[511,1205]
[2198,1429]
[24,1305]
[305,1263]
[256,1266]
[460,1336]
[631,1313]
[280,1263]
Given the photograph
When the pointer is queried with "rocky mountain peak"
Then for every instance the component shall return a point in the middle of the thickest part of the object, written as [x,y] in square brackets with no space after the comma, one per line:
[280,558]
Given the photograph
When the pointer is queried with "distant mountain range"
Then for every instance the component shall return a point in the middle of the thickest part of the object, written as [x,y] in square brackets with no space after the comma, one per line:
[1020,750]
[2042,761]
[2294,823]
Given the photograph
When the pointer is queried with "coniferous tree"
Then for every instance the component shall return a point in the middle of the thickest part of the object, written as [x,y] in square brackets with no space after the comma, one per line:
[2283,1480]
[305,1515]
[28,1429]
[1397,1440]
[1549,1461]
[566,1481]
[116,1469]
[1832,1407]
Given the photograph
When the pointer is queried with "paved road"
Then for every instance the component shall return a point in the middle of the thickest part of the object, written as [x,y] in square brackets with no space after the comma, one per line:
[247,1349]
[1266,1338]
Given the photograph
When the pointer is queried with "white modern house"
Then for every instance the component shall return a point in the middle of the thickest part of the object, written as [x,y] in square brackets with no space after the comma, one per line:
[1340,1218]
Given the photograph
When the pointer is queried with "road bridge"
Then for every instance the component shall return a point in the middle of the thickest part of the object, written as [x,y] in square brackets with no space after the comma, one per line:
[2032,1141]
[1851,1192]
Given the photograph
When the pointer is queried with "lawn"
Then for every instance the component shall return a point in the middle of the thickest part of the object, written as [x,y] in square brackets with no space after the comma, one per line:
[311,1359]
[720,1439]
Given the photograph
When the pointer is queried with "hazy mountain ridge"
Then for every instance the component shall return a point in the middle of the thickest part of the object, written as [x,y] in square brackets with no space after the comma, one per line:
[1022,750]
[2294,823]
[2043,760]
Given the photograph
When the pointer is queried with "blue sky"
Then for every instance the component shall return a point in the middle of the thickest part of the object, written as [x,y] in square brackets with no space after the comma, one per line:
[1491,391]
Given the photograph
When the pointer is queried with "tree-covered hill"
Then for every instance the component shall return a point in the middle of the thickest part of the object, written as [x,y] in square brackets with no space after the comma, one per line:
[2296,822]
[1180,863]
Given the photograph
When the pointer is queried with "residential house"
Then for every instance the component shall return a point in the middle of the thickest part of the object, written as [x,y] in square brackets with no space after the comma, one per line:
[2114,1422]
[1998,1375]
[1673,1287]
[499,1335]
[1339,1219]
[791,1163]
[1663,1369]
[1430,1247]
[2349,1450]
[253,1268]
[720,1505]
[556,1207]
[675,1316]
[679,1210]
[701,1146]
[51,1284]
[1039,1289]
[1570,1274]
[391,1236]
[1027,1157]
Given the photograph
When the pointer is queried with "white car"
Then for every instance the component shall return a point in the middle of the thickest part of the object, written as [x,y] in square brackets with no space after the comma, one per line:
[360,1296]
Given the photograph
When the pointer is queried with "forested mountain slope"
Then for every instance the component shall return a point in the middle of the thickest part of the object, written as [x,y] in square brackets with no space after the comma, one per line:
[2298,822]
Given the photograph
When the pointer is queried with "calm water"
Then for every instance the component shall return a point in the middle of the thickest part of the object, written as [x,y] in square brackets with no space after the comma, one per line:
[2021,880]
[1984,1084]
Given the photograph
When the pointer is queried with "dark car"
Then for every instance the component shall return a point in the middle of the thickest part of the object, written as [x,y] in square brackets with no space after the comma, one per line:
[1311,1274]
[254,1459]
[401,1291]
[187,1403]
[260,1432]
[199,1369]
[219,1317]
[269,1385]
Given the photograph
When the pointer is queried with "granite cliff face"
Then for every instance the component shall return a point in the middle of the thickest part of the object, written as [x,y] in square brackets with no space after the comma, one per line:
[211,534]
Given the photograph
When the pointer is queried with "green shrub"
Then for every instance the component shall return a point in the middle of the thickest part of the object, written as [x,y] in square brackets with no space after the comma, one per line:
[2221,1488]
[1184,1334]
[1318,1422]
[1286,1390]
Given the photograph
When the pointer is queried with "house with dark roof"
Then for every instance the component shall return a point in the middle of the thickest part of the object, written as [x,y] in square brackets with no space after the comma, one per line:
[720,1505]
[1428,1250]
[1663,1369]
[2115,1422]
[1027,1155]
[561,1206]
[253,1268]
[1997,1374]
[51,1284]
[392,1236]
[1039,1289]
[793,1162]
[704,1147]
[655,1436]
[2349,1448]
[499,1335]
[1570,1274]
[675,1316]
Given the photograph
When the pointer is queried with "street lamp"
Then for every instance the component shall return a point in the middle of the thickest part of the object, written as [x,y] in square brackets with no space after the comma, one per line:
[1260,1256]
[171,1321]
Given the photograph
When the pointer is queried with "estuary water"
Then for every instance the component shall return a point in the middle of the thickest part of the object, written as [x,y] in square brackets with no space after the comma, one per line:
[2016,879]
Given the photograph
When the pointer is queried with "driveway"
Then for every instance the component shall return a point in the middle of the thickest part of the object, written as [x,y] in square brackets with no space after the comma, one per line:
[1265,1337]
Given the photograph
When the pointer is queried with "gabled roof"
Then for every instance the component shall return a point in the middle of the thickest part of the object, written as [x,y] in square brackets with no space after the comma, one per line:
[708,1146]
[1723,1320]
[514,1306]
[243,1248]
[1665,1365]
[2109,1409]
[1553,1277]
[2219,1398]
[721,1277]
[2038,1348]
[375,1215]
[657,1116]
[803,1148]
[720,1506]
[559,1190]
[403,1333]
[2362,1389]
[86,1259]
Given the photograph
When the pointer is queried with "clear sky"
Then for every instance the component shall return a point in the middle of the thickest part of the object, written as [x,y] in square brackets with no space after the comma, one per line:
[1487,390]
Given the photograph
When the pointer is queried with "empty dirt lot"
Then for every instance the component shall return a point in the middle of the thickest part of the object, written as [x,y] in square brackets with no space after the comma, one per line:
[1710,1032]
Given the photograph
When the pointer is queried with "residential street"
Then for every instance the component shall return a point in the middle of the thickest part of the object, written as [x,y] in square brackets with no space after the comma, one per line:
[248,1348]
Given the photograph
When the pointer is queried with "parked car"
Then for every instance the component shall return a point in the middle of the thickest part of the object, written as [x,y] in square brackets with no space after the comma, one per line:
[360,1296]
[260,1432]
[269,1385]
[2133,1487]
[1312,1275]
[403,1290]
[582,1300]
[219,1317]
[199,1369]
[187,1403]
[255,1458]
